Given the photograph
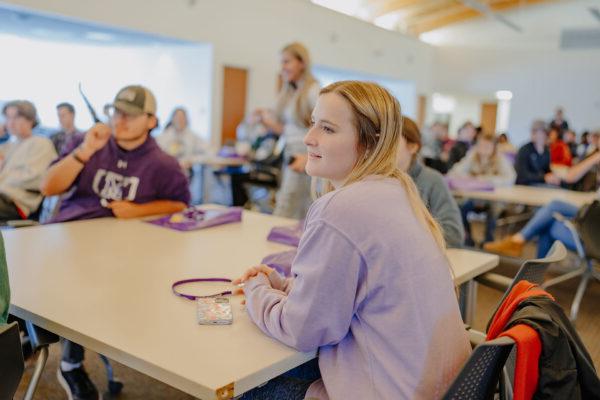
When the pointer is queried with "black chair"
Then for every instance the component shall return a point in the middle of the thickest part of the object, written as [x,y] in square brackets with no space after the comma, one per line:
[40,340]
[481,374]
[531,270]
[11,360]
[586,234]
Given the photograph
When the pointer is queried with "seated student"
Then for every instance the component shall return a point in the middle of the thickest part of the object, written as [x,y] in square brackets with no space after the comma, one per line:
[533,159]
[120,171]
[559,150]
[179,141]
[483,162]
[66,119]
[4,287]
[505,146]
[431,185]
[264,153]
[543,224]
[466,136]
[23,162]
[371,288]
[4,135]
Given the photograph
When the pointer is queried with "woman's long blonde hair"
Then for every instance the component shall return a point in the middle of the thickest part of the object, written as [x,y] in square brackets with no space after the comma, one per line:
[303,108]
[378,120]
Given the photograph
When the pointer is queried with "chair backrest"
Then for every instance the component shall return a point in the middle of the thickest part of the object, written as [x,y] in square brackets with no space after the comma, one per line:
[534,270]
[587,223]
[11,360]
[479,377]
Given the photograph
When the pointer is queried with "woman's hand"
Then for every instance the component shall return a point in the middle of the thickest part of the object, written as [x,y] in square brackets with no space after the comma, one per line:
[249,274]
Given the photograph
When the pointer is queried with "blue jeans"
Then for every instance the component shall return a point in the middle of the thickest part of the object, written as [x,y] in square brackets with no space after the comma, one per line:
[290,386]
[491,214]
[548,229]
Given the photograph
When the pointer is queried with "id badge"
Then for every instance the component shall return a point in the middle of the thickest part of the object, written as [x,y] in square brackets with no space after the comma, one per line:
[214,311]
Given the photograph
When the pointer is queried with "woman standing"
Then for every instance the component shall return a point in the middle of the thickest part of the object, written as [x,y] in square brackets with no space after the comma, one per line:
[295,103]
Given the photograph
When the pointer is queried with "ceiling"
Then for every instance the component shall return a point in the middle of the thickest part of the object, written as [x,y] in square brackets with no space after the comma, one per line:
[495,23]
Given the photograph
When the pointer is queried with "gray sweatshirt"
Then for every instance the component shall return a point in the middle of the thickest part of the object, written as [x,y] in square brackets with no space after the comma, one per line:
[24,165]
[438,199]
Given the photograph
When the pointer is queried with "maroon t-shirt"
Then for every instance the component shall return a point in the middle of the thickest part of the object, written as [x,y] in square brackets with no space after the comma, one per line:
[140,175]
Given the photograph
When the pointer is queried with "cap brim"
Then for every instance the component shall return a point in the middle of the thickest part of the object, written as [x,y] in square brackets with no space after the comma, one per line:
[127,108]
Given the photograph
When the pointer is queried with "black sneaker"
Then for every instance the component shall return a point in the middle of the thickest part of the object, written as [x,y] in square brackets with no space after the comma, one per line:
[78,385]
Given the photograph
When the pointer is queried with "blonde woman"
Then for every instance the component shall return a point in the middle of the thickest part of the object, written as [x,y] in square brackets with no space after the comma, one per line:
[291,120]
[484,162]
[371,287]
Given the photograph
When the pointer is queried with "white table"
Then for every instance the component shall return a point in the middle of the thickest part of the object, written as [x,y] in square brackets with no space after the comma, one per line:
[106,284]
[529,195]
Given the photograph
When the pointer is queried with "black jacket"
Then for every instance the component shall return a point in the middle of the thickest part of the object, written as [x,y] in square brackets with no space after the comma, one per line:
[457,152]
[531,166]
[566,370]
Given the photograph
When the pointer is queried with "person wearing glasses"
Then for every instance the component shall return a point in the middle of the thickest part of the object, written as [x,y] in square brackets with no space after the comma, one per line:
[116,169]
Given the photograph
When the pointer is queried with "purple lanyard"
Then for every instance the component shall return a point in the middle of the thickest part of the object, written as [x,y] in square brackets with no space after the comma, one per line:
[192,297]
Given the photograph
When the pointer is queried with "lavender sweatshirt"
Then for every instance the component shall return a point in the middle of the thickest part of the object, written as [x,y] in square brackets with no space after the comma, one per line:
[373,292]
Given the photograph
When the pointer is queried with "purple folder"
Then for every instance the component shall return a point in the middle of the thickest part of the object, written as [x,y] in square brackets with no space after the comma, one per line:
[193,218]
[282,261]
[289,235]
[468,184]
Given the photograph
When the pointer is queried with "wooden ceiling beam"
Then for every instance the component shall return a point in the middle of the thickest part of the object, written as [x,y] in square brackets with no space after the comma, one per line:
[426,23]
[379,8]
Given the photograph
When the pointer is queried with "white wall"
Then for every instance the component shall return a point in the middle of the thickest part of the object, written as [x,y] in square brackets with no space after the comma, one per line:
[404,91]
[540,81]
[467,108]
[47,73]
[250,34]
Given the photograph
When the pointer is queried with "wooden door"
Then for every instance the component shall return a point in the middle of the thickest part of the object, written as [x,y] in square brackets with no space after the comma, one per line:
[234,101]
[421,111]
[488,117]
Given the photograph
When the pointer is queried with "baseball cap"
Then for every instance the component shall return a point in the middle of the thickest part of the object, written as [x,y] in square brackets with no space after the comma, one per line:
[135,100]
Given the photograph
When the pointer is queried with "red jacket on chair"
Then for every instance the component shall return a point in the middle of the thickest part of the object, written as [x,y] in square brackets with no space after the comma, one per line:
[529,345]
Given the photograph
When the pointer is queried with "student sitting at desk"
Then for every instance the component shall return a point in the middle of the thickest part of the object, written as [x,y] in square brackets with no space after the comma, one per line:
[4,287]
[23,162]
[533,159]
[372,288]
[119,171]
[543,224]
[431,185]
[179,141]
[483,162]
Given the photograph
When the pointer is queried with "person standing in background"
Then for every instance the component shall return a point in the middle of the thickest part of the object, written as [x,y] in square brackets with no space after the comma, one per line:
[296,100]
[559,122]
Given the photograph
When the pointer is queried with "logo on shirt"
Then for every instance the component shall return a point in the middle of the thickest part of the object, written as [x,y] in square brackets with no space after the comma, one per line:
[122,164]
[112,186]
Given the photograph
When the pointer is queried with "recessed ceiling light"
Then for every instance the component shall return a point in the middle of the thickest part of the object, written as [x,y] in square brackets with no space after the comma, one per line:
[504,95]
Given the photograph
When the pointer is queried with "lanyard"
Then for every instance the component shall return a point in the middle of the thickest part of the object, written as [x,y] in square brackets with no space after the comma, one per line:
[192,297]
